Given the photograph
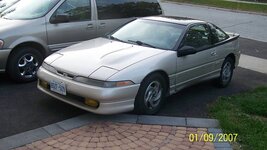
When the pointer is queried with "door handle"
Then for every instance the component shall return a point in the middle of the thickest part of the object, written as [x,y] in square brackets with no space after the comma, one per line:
[90,26]
[102,25]
[213,53]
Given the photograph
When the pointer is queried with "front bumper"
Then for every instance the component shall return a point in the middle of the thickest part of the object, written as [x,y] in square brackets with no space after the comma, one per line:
[4,53]
[111,100]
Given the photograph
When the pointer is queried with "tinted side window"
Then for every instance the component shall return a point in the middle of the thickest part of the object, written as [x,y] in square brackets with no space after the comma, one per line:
[115,9]
[218,34]
[75,10]
[112,9]
[198,37]
[147,8]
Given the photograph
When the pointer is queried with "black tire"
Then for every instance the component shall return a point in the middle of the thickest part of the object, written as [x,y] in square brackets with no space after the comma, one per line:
[140,105]
[225,78]
[17,57]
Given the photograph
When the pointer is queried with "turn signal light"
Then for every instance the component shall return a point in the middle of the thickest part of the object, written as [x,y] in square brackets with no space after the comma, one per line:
[91,102]
[44,84]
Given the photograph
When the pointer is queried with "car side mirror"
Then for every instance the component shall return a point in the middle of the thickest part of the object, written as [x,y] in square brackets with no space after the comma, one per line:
[186,50]
[62,18]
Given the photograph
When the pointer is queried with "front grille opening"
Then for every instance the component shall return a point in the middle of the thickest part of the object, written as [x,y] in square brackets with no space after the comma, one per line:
[66,74]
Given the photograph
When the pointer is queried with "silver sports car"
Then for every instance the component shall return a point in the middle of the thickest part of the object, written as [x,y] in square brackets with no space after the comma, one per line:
[138,65]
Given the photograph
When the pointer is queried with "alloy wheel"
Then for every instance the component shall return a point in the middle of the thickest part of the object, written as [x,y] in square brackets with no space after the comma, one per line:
[152,95]
[226,72]
[28,66]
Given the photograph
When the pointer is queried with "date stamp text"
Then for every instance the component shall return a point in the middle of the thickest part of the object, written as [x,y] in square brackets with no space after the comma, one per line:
[208,137]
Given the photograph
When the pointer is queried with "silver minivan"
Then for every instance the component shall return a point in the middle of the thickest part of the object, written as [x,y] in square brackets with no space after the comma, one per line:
[30,30]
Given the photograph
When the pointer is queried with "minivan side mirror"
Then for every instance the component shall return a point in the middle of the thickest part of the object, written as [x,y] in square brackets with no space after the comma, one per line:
[62,18]
[186,50]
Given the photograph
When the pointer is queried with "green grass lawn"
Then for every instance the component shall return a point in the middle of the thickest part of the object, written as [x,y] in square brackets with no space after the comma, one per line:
[245,114]
[227,4]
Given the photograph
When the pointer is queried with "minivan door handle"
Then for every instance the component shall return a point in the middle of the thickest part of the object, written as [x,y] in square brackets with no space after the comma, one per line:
[102,25]
[213,53]
[90,26]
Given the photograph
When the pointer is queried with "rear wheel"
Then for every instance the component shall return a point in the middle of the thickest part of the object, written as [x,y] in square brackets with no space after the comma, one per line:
[23,64]
[151,95]
[226,73]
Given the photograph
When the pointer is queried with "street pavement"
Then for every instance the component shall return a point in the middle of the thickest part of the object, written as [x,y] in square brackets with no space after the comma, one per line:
[253,48]
[249,26]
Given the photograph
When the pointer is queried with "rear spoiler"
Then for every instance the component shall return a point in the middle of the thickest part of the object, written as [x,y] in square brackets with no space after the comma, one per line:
[233,35]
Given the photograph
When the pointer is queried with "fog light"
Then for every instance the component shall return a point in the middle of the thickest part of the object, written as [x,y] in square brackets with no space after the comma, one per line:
[91,102]
[43,84]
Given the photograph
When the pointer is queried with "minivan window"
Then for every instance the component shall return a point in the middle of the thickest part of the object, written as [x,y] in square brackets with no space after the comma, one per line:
[29,9]
[147,8]
[114,9]
[75,10]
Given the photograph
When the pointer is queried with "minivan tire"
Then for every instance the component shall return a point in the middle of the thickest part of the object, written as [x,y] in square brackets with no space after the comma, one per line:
[23,64]
[226,73]
[141,105]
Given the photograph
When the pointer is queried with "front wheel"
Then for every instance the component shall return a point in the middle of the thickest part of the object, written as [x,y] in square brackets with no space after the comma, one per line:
[226,73]
[23,64]
[151,95]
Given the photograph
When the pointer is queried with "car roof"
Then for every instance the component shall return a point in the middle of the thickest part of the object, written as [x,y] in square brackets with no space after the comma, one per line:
[174,19]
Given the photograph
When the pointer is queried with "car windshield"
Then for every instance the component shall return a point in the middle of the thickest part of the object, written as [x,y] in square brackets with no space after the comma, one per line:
[29,9]
[150,33]
[6,3]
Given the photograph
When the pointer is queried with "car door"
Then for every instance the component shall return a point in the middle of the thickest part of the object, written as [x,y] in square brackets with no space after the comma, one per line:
[191,68]
[71,22]
[223,48]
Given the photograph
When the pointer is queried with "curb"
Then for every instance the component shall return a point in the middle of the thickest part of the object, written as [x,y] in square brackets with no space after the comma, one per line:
[69,124]
[217,8]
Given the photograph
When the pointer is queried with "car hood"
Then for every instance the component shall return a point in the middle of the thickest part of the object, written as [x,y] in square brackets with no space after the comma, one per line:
[17,28]
[87,57]
[7,23]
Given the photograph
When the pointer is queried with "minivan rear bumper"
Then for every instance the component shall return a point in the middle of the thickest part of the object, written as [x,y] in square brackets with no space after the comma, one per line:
[3,58]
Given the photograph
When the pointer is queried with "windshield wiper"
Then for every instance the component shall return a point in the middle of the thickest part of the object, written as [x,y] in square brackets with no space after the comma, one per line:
[142,43]
[7,12]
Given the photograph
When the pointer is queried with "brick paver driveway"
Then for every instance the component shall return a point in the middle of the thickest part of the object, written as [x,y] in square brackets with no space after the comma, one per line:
[107,135]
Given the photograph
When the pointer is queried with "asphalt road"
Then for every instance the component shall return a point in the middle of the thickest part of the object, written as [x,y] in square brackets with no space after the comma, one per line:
[250,26]
[23,107]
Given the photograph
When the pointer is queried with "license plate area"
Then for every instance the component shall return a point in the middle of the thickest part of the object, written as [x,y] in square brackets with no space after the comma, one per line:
[58,87]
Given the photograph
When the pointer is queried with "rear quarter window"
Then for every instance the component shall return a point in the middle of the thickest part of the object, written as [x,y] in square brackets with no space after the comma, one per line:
[218,35]
[115,9]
